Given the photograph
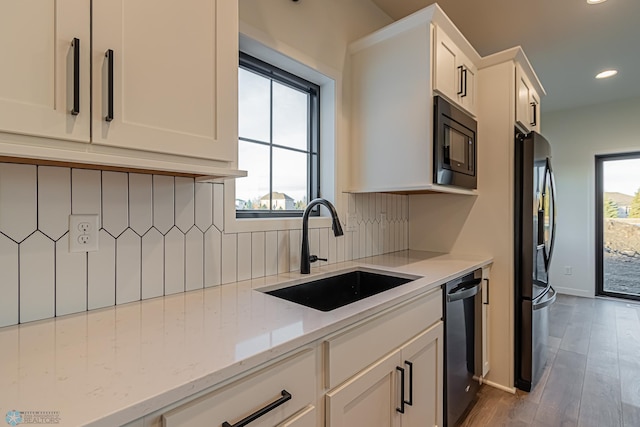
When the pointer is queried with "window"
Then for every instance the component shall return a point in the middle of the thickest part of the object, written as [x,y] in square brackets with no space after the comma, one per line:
[278,144]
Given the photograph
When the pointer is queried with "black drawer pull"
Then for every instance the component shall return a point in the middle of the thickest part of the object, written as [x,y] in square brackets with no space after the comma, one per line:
[410,365]
[464,71]
[461,91]
[402,401]
[535,114]
[487,301]
[271,406]
[76,77]
[109,56]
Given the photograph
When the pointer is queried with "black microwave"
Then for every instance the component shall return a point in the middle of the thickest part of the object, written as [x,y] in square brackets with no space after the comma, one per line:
[455,147]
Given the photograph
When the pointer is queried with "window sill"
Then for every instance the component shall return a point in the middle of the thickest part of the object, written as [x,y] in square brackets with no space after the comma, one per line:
[246,225]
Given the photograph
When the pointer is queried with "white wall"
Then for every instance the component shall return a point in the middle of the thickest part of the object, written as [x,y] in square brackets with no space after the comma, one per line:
[576,136]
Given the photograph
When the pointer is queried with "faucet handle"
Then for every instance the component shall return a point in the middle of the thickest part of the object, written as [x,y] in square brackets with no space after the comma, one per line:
[314,258]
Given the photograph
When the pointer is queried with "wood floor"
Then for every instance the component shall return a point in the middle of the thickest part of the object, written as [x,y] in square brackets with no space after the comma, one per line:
[592,377]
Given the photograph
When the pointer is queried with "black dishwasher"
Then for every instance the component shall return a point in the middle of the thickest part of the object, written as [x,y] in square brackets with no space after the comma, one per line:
[462,344]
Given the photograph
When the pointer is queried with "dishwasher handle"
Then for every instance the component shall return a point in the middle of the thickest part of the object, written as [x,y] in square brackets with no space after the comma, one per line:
[464,290]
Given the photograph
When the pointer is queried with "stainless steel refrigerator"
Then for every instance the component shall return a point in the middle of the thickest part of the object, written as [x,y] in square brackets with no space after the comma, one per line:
[535,223]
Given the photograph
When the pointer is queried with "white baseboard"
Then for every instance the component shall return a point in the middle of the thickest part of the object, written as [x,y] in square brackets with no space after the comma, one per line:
[574,292]
[511,390]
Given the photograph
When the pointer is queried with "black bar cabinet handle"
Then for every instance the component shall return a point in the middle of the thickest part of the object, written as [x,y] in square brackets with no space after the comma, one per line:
[535,114]
[402,402]
[271,406]
[410,365]
[461,91]
[76,77]
[487,301]
[109,56]
[464,71]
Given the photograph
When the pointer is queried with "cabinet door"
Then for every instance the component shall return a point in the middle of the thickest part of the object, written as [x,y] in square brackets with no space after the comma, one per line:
[174,80]
[454,73]
[296,375]
[370,398]
[485,321]
[37,84]
[447,76]
[422,359]
[467,97]
[534,104]
[527,103]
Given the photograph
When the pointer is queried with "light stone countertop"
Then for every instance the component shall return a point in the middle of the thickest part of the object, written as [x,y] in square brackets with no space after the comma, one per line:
[112,366]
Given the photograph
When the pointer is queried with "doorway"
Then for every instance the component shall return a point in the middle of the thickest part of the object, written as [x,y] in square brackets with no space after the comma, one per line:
[618,225]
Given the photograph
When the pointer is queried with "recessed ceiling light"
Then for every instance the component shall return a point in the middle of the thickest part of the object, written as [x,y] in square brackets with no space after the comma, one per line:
[606,74]
[595,1]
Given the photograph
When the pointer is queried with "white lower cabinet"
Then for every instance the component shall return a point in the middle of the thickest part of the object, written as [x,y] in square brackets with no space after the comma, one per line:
[374,397]
[250,396]
[384,371]
[369,398]
[486,341]
[425,378]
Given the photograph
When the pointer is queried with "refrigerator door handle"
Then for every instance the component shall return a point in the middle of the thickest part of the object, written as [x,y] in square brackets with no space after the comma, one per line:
[552,186]
[548,299]
[464,291]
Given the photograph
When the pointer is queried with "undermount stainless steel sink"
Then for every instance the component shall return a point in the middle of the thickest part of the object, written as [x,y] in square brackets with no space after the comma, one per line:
[329,293]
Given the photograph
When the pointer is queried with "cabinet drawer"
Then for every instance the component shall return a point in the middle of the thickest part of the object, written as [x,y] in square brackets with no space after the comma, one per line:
[249,395]
[358,347]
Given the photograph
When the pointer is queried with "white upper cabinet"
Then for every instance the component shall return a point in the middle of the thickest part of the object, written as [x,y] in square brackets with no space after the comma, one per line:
[150,84]
[173,88]
[395,73]
[454,74]
[38,79]
[527,102]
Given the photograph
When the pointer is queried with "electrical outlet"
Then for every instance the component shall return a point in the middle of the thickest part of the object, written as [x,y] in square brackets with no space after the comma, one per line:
[83,233]
[352,222]
[568,270]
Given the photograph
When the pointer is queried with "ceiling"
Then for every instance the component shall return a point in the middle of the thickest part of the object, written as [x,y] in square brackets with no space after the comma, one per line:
[567,41]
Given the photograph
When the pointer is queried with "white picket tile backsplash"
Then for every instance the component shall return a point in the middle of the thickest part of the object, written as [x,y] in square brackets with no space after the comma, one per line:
[185,204]
[173,262]
[71,279]
[152,260]
[244,256]
[163,203]
[86,190]
[194,260]
[128,267]
[140,202]
[18,201]
[101,275]
[160,235]
[271,253]
[212,257]
[204,206]
[283,251]
[229,258]
[9,284]
[115,202]
[54,201]
[37,278]
[257,254]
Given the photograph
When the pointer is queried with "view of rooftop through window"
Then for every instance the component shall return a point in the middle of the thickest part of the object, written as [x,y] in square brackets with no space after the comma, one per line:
[274,143]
